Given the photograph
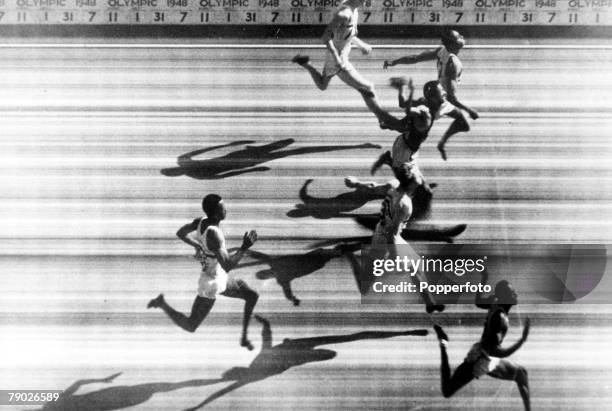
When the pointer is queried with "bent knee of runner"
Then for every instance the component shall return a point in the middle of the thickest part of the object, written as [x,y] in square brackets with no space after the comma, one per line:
[191,327]
[462,124]
[252,296]
[324,83]
[447,392]
[521,375]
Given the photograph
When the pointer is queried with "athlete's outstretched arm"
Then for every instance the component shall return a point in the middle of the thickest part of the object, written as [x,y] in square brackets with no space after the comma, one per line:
[451,90]
[184,231]
[216,243]
[370,187]
[412,59]
[406,103]
[498,351]
[362,45]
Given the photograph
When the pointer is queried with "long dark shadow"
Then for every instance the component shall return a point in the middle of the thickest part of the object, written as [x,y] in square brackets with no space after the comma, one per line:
[413,232]
[342,204]
[117,397]
[276,359]
[286,268]
[417,231]
[331,207]
[245,160]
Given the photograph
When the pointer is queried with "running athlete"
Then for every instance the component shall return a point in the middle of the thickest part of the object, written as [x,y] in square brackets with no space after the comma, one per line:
[207,238]
[449,76]
[488,356]
[420,117]
[339,36]
[395,212]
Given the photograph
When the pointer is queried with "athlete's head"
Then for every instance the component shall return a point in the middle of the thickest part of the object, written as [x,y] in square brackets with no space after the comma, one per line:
[452,41]
[505,293]
[214,207]
[434,93]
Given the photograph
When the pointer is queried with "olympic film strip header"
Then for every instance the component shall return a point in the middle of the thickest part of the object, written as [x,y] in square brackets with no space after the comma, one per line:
[306,12]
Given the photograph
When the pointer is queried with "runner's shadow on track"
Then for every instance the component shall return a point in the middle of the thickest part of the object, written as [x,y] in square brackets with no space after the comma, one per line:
[414,232]
[342,204]
[324,208]
[286,268]
[245,160]
[418,231]
[115,398]
[274,360]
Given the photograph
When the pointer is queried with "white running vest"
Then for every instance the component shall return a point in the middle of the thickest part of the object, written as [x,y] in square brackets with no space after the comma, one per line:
[344,34]
[208,258]
[444,57]
[213,278]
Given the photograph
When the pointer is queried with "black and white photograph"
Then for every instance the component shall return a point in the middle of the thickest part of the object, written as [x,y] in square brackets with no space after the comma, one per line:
[305,205]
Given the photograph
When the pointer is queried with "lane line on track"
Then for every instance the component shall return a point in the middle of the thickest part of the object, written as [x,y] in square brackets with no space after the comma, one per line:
[294,46]
[570,115]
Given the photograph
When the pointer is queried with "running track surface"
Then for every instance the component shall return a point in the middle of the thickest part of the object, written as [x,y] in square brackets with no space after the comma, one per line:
[88,220]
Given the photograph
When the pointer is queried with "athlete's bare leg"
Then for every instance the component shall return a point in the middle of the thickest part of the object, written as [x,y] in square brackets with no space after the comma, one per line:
[459,125]
[463,374]
[369,188]
[430,303]
[384,158]
[522,381]
[200,309]
[240,289]
[288,292]
[507,370]
[363,278]
[353,79]
[320,80]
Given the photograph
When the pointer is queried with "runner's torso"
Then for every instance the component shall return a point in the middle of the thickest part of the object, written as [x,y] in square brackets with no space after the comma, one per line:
[391,211]
[413,137]
[344,32]
[492,328]
[210,264]
[444,59]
